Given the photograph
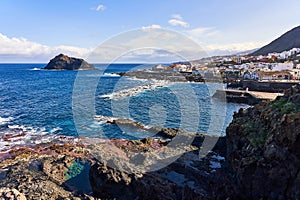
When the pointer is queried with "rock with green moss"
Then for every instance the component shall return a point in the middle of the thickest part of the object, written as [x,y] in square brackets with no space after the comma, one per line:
[263,145]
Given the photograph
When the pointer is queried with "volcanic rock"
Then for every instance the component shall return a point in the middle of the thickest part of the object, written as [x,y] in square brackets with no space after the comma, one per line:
[263,145]
[63,62]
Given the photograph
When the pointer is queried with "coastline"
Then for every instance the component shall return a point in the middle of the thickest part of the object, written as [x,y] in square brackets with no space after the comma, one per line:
[70,167]
[245,96]
[51,161]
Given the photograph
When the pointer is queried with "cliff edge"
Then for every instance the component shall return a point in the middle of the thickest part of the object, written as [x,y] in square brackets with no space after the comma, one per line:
[263,145]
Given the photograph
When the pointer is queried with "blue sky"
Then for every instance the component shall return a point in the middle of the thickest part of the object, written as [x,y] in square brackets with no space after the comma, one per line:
[34,31]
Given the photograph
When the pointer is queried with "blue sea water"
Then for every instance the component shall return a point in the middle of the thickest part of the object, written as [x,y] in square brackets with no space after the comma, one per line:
[41,100]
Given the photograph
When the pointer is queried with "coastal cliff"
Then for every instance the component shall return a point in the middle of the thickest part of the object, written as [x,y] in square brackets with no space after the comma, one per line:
[263,145]
[63,62]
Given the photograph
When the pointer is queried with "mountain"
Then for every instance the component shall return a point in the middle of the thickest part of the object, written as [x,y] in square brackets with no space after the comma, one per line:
[246,52]
[63,62]
[287,41]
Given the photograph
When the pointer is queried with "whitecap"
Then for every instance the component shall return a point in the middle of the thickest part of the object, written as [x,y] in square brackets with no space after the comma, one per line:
[35,69]
[110,75]
[5,120]
[104,96]
[57,129]
[133,78]
[135,90]
[16,136]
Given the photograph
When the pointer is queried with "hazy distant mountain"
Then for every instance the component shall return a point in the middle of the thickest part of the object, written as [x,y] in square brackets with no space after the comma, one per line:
[287,41]
[247,52]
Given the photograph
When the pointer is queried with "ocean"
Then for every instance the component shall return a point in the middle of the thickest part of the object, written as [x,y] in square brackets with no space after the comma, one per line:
[39,104]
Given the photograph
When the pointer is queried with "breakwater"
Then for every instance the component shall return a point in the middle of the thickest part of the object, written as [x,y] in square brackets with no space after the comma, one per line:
[245,96]
[268,86]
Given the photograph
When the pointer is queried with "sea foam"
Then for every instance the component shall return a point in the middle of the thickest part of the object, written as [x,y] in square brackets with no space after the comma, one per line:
[136,90]
[17,136]
[5,120]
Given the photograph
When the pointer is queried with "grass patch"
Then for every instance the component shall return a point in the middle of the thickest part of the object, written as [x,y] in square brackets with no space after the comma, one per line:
[259,139]
[288,108]
[285,107]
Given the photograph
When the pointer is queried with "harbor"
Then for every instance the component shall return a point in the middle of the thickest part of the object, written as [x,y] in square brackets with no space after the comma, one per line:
[245,96]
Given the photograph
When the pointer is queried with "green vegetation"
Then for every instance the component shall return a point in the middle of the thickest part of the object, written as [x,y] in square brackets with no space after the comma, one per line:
[256,135]
[258,140]
[288,108]
[278,104]
[285,107]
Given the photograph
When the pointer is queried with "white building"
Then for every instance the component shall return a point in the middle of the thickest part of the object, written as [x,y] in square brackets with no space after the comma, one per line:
[283,66]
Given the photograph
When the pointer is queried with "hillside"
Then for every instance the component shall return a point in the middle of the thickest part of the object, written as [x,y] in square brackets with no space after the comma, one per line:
[287,41]
[263,149]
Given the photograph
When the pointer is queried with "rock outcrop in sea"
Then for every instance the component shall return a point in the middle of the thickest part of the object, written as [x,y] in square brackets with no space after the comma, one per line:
[63,62]
[263,145]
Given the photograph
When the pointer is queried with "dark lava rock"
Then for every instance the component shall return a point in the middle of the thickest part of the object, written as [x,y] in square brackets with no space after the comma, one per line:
[63,62]
[263,145]
[39,173]
[109,183]
[25,181]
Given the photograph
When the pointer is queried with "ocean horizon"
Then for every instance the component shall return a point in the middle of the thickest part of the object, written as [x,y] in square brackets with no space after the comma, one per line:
[38,103]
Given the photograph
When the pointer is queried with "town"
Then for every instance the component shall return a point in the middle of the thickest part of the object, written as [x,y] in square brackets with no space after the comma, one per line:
[247,78]
[275,67]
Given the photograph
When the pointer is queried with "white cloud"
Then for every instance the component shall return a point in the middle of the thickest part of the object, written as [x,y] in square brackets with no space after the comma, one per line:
[207,38]
[22,48]
[99,8]
[155,45]
[226,49]
[177,20]
[151,27]
[177,16]
[244,46]
[202,32]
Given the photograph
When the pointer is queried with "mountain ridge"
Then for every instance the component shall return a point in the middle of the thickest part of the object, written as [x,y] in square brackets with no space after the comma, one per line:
[287,41]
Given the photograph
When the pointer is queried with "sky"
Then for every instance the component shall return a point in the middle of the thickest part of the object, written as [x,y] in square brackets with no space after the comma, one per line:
[36,31]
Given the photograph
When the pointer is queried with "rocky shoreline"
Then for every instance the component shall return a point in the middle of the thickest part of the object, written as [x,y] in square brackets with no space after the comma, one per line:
[55,171]
[165,75]
[72,168]
[263,149]
[258,159]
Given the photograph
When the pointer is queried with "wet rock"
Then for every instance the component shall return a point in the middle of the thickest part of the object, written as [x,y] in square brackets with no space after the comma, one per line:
[118,169]
[166,133]
[109,183]
[36,174]
[188,177]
